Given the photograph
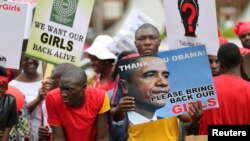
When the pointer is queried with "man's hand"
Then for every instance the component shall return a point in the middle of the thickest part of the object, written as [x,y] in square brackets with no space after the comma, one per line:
[46,86]
[195,111]
[43,132]
[127,103]
[191,120]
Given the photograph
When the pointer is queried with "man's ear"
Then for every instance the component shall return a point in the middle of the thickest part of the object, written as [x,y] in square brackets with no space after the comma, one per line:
[124,86]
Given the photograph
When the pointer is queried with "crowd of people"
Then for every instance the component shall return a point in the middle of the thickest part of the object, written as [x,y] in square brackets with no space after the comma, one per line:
[116,106]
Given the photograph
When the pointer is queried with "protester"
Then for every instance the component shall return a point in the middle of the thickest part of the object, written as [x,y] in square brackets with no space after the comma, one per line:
[118,131]
[213,59]
[50,83]
[234,101]
[214,65]
[147,40]
[242,29]
[102,61]
[77,112]
[115,76]
[29,82]
[8,111]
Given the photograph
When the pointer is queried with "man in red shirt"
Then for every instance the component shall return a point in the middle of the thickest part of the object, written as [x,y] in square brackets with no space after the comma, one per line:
[77,112]
[242,29]
[232,90]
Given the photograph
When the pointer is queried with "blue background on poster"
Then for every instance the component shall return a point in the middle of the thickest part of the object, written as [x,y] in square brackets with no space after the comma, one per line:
[189,68]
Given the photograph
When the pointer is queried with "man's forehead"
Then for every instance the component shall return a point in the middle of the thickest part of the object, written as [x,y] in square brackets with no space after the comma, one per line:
[244,34]
[67,79]
[145,31]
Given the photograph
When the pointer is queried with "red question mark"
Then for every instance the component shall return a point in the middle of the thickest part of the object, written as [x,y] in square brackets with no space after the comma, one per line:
[191,17]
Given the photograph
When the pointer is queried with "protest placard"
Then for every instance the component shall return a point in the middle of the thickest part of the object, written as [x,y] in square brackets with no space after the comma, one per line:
[30,12]
[190,23]
[3,61]
[59,32]
[165,84]
[12,24]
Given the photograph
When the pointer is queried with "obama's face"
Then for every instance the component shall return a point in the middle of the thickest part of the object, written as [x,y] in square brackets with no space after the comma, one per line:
[148,81]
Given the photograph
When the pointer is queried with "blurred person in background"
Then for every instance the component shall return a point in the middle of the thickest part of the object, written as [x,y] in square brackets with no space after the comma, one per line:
[213,59]
[102,62]
[242,29]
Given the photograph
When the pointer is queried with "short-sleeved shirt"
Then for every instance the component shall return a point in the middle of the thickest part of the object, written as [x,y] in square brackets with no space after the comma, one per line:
[8,113]
[234,97]
[79,123]
[108,85]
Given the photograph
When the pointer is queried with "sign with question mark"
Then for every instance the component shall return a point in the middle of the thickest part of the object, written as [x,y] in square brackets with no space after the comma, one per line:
[188,12]
[190,23]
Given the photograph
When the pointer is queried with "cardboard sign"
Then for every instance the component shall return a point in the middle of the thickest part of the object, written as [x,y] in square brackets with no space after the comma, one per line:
[59,32]
[12,25]
[30,13]
[190,23]
[184,71]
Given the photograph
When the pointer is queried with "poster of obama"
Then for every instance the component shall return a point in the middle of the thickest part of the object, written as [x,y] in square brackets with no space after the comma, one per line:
[166,84]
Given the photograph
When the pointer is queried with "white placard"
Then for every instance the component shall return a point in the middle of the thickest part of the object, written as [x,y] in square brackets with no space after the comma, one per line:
[190,23]
[12,25]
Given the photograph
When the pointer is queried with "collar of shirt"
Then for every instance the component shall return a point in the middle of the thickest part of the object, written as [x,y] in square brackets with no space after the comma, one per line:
[136,118]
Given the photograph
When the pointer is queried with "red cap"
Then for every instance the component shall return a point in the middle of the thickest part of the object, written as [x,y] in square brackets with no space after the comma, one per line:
[242,27]
[130,56]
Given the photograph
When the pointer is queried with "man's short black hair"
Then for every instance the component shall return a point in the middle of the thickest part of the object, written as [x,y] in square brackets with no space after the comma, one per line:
[61,68]
[77,73]
[146,26]
[229,55]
